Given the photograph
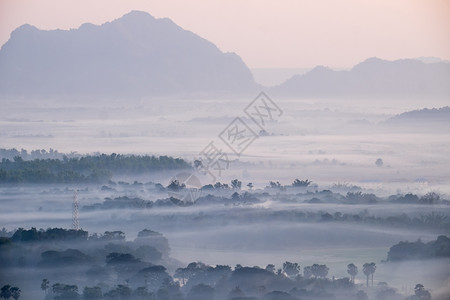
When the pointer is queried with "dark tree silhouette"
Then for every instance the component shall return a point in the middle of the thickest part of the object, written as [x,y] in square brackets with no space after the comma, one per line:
[235,196]
[236,184]
[15,292]
[291,269]
[270,268]
[369,269]
[175,186]
[307,272]
[319,270]
[430,198]
[301,183]
[45,285]
[274,185]
[352,270]
[379,162]
[92,292]
[191,270]
[97,168]
[120,292]
[65,291]
[8,291]
[421,292]
[183,274]
[5,292]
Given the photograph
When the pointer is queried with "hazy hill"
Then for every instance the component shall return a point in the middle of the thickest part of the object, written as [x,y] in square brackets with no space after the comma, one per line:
[434,120]
[406,78]
[426,115]
[135,55]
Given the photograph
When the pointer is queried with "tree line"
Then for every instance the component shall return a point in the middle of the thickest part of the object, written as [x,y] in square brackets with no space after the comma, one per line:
[110,267]
[85,169]
[419,250]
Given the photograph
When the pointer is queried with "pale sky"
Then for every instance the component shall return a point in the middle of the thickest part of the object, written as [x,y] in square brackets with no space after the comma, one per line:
[270,34]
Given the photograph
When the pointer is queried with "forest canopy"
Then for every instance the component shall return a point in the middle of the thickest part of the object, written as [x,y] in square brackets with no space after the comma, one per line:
[90,168]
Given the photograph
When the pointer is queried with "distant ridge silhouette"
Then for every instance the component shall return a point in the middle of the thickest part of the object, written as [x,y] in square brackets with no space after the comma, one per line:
[426,115]
[373,77]
[135,55]
[138,55]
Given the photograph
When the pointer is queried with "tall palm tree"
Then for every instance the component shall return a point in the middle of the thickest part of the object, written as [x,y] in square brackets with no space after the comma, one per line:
[352,270]
[45,285]
[369,269]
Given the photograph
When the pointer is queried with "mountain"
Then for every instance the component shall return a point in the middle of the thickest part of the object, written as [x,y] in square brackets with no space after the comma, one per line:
[406,78]
[135,55]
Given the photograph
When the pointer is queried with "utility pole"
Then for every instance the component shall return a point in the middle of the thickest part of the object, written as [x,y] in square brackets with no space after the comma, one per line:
[75,222]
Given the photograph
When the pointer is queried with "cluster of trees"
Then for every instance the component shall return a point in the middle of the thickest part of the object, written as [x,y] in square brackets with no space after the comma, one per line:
[171,290]
[296,184]
[91,250]
[316,270]
[98,168]
[114,268]
[107,258]
[283,192]
[198,281]
[138,203]
[432,219]
[34,154]
[428,198]
[235,184]
[429,220]
[8,292]
[119,203]
[420,293]
[51,234]
[419,250]
[361,198]
[68,235]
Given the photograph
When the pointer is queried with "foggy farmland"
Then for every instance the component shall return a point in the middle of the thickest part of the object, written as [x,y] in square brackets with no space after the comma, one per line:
[145,173]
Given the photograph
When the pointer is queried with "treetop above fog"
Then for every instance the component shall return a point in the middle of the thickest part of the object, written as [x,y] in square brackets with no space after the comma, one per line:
[87,169]
[420,250]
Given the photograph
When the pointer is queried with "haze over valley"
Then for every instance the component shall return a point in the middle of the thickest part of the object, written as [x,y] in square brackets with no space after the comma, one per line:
[138,160]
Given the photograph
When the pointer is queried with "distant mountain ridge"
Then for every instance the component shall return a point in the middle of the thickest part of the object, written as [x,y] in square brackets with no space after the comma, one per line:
[434,115]
[134,55]
[138,55]
[373,77]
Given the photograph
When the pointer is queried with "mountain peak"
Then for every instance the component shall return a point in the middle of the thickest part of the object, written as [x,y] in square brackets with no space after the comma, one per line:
[137,14]
[135,55]
[320,70]
[24,29]
[370,63]
[136,17]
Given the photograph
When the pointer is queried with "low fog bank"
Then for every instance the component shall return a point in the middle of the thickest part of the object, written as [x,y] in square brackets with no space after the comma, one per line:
[374,184]
[252,227]
[325,140]
[72,261]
